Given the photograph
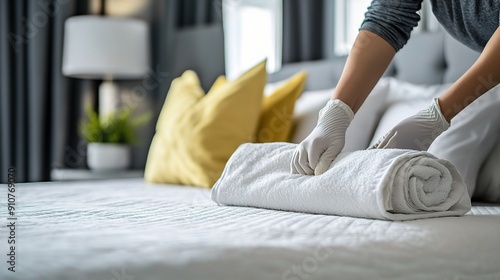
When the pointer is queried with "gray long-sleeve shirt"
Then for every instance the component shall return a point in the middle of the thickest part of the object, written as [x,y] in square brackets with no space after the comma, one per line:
[471,22]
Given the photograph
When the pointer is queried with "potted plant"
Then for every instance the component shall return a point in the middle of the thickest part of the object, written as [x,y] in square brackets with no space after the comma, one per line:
[109,139]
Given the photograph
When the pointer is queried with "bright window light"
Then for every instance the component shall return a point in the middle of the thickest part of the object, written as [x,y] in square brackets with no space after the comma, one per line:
[349,14]
[252,32]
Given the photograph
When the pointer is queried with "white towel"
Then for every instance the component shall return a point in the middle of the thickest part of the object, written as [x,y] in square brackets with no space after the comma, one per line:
[379,184]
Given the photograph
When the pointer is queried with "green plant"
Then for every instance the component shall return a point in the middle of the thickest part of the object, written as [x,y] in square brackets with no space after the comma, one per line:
[116,128]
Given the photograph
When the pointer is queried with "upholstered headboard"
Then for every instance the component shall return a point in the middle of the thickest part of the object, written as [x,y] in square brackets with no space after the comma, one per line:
[200,49]
[428,58]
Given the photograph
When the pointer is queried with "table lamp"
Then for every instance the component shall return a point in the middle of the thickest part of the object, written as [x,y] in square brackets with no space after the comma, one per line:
[108,49]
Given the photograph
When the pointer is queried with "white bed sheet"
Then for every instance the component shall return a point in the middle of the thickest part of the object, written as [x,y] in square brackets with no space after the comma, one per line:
[127,229]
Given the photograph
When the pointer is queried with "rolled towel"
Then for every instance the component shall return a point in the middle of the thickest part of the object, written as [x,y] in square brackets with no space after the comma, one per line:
[387,184]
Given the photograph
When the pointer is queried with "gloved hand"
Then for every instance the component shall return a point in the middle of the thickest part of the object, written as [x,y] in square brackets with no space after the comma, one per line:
[315,154]
[416,132]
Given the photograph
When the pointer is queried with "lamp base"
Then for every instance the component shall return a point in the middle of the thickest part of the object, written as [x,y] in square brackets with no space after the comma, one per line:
[109,100]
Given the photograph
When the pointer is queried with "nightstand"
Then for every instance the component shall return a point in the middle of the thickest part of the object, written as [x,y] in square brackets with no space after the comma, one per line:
[86,174]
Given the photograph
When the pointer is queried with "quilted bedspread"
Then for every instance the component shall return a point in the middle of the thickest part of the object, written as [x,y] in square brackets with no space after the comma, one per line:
[129,230]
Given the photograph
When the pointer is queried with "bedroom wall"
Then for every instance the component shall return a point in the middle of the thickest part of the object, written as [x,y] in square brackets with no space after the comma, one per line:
[197,48]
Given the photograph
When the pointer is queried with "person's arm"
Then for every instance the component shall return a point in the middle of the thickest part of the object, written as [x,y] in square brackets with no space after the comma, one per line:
[367,62]
[480,78]
[419,131]
[386,28]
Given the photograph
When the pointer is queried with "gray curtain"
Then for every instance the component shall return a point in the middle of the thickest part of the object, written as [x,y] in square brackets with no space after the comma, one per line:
[307,30]
[197,12]
[39,108]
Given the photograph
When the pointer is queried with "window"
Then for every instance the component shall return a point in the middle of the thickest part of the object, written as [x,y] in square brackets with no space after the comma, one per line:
[349,15]
[252,32]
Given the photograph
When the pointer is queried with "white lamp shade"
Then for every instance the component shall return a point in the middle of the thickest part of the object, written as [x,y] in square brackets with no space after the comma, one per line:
[97,47]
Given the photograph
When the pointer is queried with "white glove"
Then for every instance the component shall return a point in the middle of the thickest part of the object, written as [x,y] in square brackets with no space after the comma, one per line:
[315,154]
[416,132]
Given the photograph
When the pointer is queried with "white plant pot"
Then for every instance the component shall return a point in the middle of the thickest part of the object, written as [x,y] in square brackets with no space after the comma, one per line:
[106,156]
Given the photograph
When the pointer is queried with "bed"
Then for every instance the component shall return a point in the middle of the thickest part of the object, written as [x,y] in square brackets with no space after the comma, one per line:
[128,229]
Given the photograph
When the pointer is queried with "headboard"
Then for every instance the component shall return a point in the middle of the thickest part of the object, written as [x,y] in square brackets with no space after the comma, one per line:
[428,58]
[200,49]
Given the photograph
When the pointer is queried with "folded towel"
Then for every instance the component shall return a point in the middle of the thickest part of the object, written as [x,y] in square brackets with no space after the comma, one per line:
[389,184]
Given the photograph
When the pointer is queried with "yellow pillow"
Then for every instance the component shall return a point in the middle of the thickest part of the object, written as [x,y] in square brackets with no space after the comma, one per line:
[276,120]
[196,133]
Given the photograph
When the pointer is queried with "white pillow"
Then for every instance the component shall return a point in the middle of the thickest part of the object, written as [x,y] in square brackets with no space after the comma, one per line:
[305,113]
[488,179]
[395,114]
[362,126]
[361,129]
[400,91]
[471,136]
[404,100]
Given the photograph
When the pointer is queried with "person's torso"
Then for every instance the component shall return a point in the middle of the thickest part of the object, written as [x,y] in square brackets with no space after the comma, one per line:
[470,22]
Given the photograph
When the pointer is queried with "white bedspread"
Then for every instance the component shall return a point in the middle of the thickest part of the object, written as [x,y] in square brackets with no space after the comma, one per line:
[127,230]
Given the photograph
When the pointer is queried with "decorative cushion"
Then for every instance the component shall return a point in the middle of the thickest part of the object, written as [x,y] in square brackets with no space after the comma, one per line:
[196,133]
[276,121]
